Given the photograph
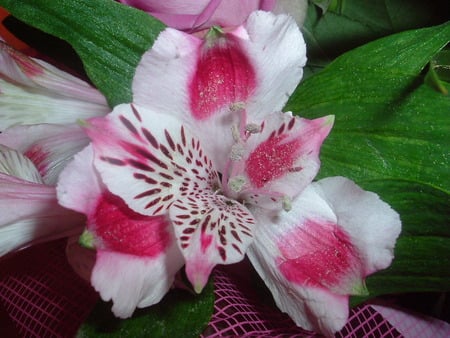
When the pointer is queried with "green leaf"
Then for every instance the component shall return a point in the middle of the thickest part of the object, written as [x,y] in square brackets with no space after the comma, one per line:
[351,23]
[391,136]
[109,37]
[179,314]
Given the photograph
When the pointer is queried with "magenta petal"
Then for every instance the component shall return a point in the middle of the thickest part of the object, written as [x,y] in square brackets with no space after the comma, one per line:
[224,76]
[118,228]
[326,258]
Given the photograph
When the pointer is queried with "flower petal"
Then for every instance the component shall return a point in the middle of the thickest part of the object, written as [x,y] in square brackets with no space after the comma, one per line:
[137,255]
[278,54]
[132,281]
[33,91]
[196,15]
[211,229]
[15,164]
[281,159]
[156,163]
[49,146]
[79,187]
[372,224]
[30,214]
[311,259]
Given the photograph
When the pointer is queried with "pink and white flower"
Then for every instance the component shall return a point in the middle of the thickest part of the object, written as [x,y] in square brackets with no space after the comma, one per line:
[33,91]
[203,168]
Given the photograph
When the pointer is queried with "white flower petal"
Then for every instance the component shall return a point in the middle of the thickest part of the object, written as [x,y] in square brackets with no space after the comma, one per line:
[15,164]
[373,225]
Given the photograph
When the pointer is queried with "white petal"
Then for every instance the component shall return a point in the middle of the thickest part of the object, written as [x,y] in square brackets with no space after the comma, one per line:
[156,162]
[211,229]
[278,53]
[15,164]
[132,281]
[372,223]
[79,187]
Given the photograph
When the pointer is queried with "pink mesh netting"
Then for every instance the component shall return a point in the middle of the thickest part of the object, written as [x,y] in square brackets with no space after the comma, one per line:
[40,296]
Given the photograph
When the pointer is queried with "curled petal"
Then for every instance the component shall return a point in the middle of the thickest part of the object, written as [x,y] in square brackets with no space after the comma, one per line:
[49,146]
[311,258]
[33,91]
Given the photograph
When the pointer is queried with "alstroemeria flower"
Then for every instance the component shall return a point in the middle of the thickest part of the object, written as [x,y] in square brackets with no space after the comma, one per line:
[192,16]
[316,255]
[165,170]
[136,256]
[33,91]
[212,84]
[29,210]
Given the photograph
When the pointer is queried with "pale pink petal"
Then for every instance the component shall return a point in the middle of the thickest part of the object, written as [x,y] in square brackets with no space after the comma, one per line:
[372,224]
[280,160]
[235,12]
[196,15]
[30,214]
[133,281]
[49,146]
[79,187]
[32,91]
[15,164]
[156,158]
[211,229]
[310,258]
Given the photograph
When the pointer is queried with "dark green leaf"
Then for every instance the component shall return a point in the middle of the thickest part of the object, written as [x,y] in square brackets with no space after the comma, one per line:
[179,314]
[109,37]
[351,23]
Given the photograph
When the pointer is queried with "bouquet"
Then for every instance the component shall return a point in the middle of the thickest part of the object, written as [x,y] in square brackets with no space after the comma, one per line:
[197,135]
